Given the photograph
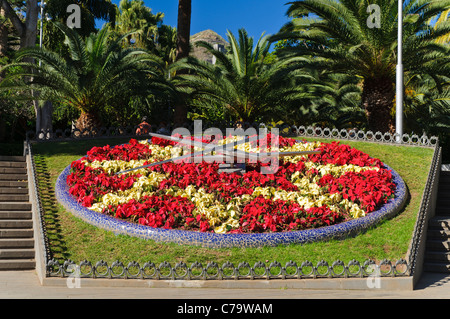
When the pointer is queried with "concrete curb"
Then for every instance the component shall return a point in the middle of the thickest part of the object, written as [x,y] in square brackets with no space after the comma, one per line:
[370,283]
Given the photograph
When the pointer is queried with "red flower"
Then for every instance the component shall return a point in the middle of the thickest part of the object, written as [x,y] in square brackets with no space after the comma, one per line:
[370,189]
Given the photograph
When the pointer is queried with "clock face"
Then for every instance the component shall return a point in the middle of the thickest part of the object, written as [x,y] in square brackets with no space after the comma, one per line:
[150,182]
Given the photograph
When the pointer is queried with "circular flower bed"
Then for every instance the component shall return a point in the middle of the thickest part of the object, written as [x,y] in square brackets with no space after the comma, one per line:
[336,193]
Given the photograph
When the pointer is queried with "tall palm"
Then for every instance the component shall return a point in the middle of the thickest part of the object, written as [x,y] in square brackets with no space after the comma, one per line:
[150,32]
[183,46]
[166,44]
[240,81]
[95,76]
[133,15]
[341,41]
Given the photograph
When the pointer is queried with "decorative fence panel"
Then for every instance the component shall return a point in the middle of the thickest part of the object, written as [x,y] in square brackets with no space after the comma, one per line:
[286,130]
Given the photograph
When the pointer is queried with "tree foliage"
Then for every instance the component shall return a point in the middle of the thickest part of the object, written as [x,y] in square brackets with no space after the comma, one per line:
[241,84]
[338,39]
[97,75]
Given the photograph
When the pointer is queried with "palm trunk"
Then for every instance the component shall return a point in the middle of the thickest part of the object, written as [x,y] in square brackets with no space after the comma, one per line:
[44,117]
[4,30]
[28,37]
[183,37]
[183,28]
[88,121]
[27,31]
[378,99]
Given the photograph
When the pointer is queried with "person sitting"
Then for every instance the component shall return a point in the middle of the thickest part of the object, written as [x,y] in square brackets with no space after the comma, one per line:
[143,127]
[162,129]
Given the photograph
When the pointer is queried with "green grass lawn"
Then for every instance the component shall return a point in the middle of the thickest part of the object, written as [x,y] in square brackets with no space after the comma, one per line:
[71,238]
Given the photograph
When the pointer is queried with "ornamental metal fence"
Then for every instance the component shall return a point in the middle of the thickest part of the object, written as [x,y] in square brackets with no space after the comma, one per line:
[284,130]
[213,271]
[426,211]
[410,266]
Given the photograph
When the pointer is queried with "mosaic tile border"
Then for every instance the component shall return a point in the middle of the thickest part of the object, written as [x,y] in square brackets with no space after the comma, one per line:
[213,240]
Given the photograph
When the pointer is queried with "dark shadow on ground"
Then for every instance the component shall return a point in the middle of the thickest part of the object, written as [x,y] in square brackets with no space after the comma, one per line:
[75,147]
[50,213]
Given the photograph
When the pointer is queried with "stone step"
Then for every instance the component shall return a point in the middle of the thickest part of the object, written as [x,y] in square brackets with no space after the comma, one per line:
[13,177]
[438,234]
[443,200]
[441,195]
[16,233]
[5,158]
[439,222]
[15,215]
[443,192]
[10,206]
[437,267]
[10,184]
[436,244]
[442,211]
[13,170]
[433,255]
[13,164]
[13,198]
[17,264]
[16,243]
[443,183]
[17,253]
[442,208]
[15,223]
[444,180]
[13,191]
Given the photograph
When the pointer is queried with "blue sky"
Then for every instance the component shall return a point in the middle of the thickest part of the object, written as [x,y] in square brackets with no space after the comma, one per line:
[256,16]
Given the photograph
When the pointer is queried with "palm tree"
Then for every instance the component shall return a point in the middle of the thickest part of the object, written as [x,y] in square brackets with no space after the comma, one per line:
[336,101]
[150,32]
[91,10]
[133,15]
[427,107]
[166,43]
[240,81]
[340,41]
[96,75]
[443,18]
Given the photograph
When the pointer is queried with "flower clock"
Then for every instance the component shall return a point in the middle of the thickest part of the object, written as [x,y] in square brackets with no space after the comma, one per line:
[331,186]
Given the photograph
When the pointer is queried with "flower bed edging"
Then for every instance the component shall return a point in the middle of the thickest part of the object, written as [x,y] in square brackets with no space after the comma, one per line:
[214,240]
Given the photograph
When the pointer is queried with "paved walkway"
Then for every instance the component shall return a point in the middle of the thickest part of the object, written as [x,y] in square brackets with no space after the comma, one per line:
[25,285]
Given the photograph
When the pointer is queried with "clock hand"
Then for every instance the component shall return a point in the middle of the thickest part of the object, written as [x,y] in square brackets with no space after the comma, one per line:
[234,143]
